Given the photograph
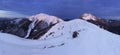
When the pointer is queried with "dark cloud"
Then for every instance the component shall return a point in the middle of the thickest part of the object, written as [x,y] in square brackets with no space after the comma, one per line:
[63,8]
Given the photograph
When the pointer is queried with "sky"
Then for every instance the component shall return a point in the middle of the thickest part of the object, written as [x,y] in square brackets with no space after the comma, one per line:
[63,8]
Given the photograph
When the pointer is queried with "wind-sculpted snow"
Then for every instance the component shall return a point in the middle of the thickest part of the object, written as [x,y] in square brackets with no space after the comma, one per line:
[89,40]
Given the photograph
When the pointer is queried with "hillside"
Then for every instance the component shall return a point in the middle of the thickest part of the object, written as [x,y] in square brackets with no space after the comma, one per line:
[75,37]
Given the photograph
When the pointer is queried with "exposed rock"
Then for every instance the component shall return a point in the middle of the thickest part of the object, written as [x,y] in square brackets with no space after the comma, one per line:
[75,34]
[31,28]
[16,26]
[41,24]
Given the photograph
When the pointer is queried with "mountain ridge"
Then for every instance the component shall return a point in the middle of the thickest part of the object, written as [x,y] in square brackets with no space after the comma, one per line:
[109,25]
[36,26]
[90,40]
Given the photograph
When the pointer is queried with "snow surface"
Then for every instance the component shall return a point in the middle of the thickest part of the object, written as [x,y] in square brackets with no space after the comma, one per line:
[91,40]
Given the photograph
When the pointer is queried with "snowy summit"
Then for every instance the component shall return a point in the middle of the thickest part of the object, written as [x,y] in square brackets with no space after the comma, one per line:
[41,23]
[46,18]
[88,16]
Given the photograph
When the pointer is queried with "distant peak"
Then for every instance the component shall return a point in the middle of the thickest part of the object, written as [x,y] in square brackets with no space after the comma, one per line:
[88,16]
[45,17]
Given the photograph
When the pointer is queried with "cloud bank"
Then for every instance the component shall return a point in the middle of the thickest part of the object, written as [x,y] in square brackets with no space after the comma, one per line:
[12,14]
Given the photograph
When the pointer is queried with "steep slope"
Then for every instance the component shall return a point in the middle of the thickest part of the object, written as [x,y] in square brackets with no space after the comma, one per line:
[76,37]
[41,23]
[16,26]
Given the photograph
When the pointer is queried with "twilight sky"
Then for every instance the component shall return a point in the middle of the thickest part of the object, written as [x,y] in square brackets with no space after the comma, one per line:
[63,8]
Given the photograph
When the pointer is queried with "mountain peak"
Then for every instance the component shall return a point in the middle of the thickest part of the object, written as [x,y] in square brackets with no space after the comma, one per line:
[41,23]
[46,18]
[88,16]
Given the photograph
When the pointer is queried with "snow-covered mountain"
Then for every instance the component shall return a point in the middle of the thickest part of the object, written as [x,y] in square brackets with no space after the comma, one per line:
[32,27]
[75,37]
[107,24]
[88,16]
[49,19]
[41,23]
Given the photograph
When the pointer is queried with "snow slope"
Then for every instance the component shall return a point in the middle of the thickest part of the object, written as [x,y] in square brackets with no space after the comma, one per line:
[59,40]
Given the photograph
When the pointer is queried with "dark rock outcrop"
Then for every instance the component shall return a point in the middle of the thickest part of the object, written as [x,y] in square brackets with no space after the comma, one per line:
[16,26]
[75,34]
[39,29]
[42,23]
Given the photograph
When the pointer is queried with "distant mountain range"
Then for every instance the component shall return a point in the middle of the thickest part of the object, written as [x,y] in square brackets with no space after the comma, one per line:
[34,27]
[44,34]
